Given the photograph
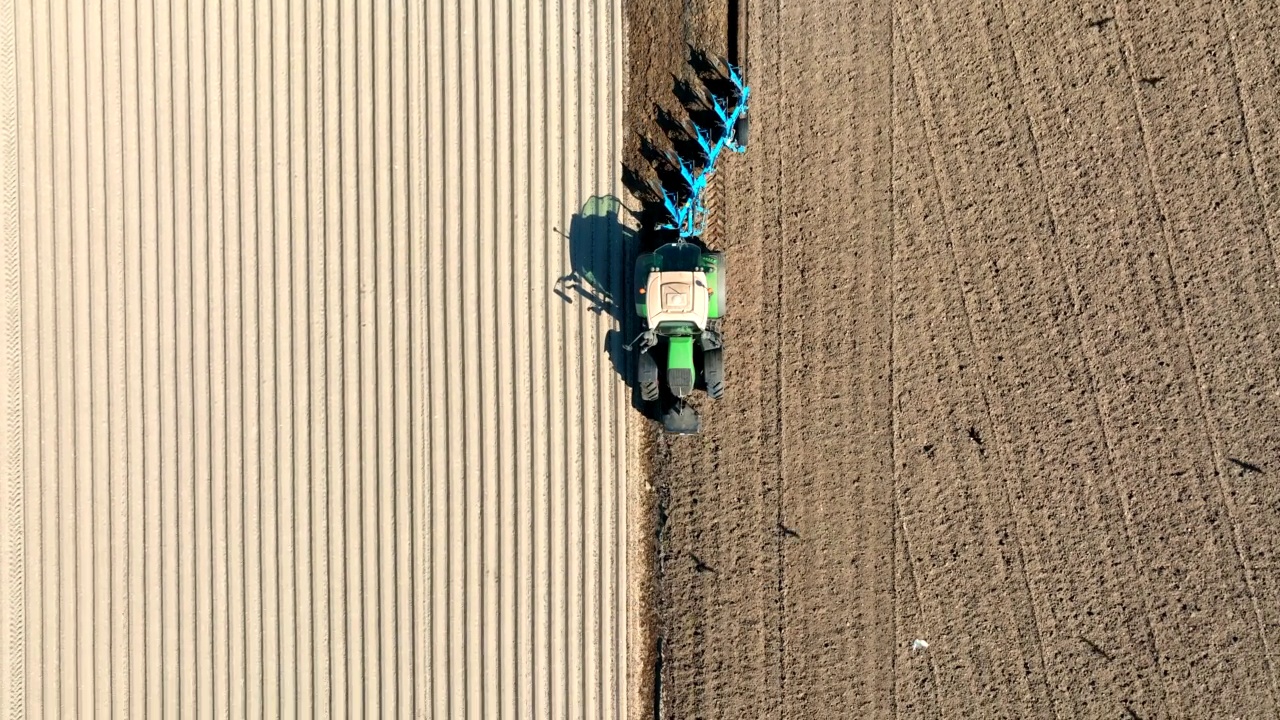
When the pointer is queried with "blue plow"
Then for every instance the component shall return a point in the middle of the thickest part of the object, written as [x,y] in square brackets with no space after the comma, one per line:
[684,205]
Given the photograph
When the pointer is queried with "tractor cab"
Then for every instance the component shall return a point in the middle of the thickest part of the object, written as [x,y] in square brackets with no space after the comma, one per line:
[674,288]
[676,302]
[680,295]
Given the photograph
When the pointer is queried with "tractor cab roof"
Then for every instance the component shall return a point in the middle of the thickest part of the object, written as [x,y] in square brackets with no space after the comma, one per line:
[677,297]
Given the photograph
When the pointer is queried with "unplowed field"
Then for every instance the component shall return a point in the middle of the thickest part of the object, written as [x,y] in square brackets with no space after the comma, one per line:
[1003,368]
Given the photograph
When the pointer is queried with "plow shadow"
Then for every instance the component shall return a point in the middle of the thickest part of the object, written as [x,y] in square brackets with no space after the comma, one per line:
[691,89]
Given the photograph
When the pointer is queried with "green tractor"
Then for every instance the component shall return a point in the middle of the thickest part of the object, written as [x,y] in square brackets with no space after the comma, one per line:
[680,294]
[680,286]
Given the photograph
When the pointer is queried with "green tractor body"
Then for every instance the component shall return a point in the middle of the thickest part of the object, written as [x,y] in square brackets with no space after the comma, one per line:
[680,286]
[680,295]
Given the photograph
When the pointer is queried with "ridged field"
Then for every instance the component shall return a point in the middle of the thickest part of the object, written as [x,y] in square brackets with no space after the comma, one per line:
[296,421]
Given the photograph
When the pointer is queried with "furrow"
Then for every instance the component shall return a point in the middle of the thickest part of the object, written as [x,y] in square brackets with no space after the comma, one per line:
[527,133]
[482,331]
[336,414]
[312,472]
[540,174]
[96,473]
[504,565]
[217,570]
[114,477]
[383,347]
[438,384]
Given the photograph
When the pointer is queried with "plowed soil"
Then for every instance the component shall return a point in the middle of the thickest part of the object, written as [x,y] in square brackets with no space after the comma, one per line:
[1003,370]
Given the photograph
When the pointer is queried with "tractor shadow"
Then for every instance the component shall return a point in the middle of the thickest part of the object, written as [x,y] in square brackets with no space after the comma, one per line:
[603,247]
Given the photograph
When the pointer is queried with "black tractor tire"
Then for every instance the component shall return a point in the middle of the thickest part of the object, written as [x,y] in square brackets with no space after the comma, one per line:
[713,372]
[647,375]
[741,129]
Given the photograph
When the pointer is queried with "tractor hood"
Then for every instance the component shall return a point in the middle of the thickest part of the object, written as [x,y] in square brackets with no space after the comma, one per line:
[677,297]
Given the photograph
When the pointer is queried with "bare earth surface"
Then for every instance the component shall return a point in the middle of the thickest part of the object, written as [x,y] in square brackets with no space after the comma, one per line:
[1003,366]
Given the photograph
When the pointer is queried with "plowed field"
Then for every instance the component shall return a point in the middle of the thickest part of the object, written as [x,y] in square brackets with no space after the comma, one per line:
[1003,369]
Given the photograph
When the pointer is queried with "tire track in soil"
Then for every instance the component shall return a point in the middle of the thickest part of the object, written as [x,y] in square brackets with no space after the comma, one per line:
[1211,245]
[1024,370]
[959,478]
[837,492]
[1029,107]
[915,678]
[1064,421]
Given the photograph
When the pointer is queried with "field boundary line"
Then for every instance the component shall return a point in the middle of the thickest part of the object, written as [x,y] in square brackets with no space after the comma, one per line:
[1210,436]
[779,287]
[893,359]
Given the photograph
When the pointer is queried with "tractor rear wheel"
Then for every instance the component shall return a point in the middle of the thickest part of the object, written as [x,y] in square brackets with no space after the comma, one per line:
[647,374]
[713,371]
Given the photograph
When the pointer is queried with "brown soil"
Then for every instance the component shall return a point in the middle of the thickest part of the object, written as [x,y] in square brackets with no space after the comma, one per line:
[1003,365]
